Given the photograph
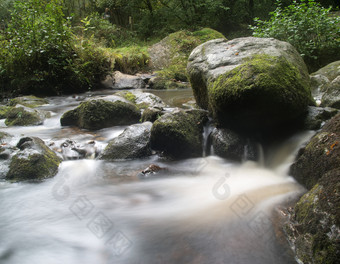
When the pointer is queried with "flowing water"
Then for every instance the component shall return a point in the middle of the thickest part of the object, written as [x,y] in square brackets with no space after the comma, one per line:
[203,210]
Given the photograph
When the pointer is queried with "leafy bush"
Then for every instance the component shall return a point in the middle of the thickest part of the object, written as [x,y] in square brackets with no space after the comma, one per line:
[308,27]
[39,53]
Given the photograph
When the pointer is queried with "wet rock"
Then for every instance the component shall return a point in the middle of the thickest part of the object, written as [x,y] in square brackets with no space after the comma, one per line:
[143,99]
[331,96]
[97,114]
[24,116]
[28,101]
[314,226]
[33,161]
[250,83]
[179,134]
[124,81]
[230,145]
[151,170]
[71,150]
[321,154]
[151,114]
[317,116]
[4,110]
[160,83]
[133,143]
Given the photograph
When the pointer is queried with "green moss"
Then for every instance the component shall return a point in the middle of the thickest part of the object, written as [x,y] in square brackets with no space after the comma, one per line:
[181,44]
[131,59]
[3,111]
[20,117]
[264,88]
[130,97]
[29,101]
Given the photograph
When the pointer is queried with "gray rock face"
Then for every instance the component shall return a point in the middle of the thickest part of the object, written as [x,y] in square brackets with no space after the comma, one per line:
[331,96]
[124,81]
[97,114]
[133,143]
[179,134]
[216,57]
[34,161]
[230,145]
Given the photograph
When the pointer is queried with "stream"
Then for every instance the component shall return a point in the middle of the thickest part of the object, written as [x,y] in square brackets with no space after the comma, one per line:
[197,211]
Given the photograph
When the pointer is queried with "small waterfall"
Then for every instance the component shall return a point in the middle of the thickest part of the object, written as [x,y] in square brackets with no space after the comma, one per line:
[207,146]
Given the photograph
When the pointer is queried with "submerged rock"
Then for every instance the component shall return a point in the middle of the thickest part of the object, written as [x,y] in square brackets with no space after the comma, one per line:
[230,145]
[133,143]
[314,226]
[179,134]
[24,116]
[97,114]
[250,83]
[34,161]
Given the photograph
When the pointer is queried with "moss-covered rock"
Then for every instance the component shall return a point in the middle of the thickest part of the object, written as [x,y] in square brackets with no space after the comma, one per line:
[151,114]
[34,161]
[262,93]
[314,226]
[97,114]
[142,99]
[25,116]
[321,154]
[4,110]
[29,101]
[179,134]
[133,143]
[169,56]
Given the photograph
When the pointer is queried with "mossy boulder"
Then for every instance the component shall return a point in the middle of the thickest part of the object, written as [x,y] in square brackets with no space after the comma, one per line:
[250,82]
[179,134]
[142,99]
[133,143]
[24,116]
[34,161]
[233,146]
[29,101]
[97,114]
[314,224]
[169,56]
[321,154]
[262,93]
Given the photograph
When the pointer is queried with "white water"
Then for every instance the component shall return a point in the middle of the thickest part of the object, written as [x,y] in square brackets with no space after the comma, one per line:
[203,210]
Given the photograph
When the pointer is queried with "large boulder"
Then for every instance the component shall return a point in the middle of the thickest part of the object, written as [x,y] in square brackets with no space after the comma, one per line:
[133,143]
[314,226]
[250,83]
[179,134]
[97,114]
[34,161]
[142,99]
[123,81]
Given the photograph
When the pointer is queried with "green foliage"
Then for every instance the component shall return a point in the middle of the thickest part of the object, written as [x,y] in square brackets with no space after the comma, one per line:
[39,54]
[308,27]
